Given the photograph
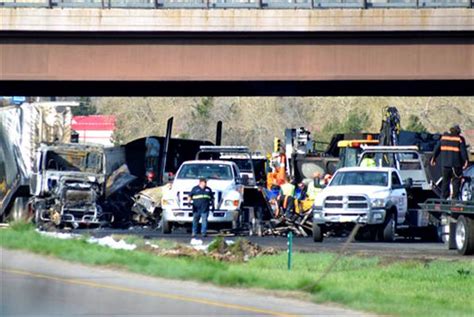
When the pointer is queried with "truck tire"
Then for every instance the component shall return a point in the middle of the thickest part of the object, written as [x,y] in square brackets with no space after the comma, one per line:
[465,235]
[317,233]
[467,192]
[166,227]
[387,231]
[19,210]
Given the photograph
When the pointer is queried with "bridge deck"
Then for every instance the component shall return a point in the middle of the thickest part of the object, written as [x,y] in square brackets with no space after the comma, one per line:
[236,20]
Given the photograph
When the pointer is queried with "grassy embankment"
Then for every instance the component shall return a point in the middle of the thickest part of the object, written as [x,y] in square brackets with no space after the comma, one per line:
[414,288]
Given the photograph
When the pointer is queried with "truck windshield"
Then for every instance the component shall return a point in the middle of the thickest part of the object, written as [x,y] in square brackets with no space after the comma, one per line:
[404,161]
[208,171]
[360,178]
[349,156]
[74,161]
[244,165]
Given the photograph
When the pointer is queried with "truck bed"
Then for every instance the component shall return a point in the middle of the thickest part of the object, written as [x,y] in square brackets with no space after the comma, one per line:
[448,207]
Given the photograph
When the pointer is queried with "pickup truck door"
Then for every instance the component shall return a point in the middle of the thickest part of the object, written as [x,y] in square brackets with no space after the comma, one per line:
[399,197]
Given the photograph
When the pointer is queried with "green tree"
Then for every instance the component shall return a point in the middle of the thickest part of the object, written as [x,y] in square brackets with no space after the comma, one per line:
[202,110]
[414,124]
[85,108]
[356,121]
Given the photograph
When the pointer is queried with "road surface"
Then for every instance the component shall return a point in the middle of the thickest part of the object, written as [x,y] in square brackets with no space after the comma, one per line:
[32,285]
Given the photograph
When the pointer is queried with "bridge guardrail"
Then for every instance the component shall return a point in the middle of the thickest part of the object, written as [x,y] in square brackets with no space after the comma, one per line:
[237,4]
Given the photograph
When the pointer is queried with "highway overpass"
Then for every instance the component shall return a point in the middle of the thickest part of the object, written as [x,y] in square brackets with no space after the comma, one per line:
[166,48]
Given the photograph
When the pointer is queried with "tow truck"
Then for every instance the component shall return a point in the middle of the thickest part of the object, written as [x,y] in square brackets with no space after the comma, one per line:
[412,165]
[350,150]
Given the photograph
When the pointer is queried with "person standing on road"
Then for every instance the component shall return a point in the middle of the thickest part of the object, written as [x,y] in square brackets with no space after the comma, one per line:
[203,201]
[453,153]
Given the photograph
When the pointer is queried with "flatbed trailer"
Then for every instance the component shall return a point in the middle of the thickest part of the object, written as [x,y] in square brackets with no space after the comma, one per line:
[458,217]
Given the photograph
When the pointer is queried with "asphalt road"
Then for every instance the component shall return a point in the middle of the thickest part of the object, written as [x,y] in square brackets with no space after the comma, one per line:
[401,248]
[32,285]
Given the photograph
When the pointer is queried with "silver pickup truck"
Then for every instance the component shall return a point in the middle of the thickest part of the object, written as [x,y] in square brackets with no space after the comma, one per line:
[374,197]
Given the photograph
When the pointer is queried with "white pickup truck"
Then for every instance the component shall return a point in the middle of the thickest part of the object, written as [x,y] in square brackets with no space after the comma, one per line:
[223,177]
[374,197]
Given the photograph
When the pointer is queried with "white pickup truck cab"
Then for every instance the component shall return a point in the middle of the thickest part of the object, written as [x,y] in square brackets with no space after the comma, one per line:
[223,178]
[374,197]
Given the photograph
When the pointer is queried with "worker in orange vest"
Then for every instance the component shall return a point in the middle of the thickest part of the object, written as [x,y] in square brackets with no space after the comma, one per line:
[453,153]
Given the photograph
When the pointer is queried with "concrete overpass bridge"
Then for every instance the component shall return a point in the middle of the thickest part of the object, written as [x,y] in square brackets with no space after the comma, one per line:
[228,47]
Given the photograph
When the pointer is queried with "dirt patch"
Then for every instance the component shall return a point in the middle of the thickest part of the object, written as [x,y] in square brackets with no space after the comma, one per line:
[221,250]
[240,251]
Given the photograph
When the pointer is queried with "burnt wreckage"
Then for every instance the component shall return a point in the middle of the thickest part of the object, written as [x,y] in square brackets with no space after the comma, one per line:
[91,185]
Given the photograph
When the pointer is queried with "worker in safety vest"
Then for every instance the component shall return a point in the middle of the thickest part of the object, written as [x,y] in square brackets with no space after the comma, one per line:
[314,187]
[286,200]
[203,201]
[288,188]
[368,161]
[452,150]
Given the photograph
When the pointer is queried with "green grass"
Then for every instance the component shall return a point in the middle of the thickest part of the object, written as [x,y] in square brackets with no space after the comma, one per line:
[413,288]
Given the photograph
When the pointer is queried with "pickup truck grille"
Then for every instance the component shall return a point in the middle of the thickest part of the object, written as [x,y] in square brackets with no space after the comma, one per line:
[333,205]
[346,202]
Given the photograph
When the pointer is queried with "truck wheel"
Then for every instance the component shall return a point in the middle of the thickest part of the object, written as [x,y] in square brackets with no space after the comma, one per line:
[166,227]
[466,192]
[19,210]
[387,231]
[317,233]
[465,235]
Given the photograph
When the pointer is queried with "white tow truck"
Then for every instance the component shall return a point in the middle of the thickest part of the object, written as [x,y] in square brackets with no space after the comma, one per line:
[374,197]
[223,177]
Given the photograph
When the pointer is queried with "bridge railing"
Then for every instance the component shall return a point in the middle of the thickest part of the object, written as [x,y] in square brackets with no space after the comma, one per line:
[244,4]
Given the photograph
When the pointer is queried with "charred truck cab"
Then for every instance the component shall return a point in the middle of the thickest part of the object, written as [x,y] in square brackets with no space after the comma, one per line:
[69,182]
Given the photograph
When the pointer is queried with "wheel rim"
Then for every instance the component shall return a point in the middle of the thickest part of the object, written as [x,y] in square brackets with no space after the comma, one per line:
[466,193]
[460,235]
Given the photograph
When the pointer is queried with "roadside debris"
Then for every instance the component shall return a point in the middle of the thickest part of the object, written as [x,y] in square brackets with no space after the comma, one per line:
[239,251]
[300,225]
[110,242]
[107,241]
[220,249]
[58,235]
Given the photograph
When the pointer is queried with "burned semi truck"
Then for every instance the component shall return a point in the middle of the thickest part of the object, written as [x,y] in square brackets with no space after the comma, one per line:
[70,182]
[22,130]
[86,185]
